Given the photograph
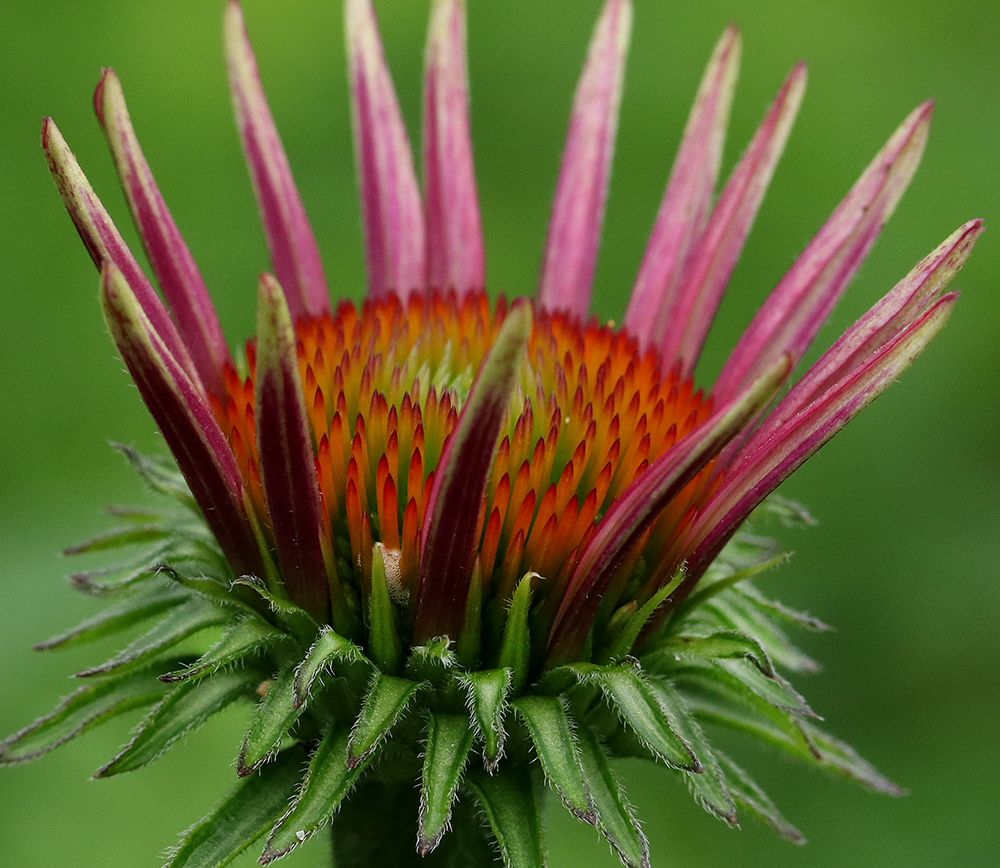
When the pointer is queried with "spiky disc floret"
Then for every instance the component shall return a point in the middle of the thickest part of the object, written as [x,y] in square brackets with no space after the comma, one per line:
[383,387]
[329,714]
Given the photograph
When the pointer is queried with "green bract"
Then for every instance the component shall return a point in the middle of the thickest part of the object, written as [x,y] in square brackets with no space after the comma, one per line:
[326,716]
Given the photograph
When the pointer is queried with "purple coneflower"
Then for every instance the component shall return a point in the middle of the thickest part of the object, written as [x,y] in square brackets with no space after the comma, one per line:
[443,525]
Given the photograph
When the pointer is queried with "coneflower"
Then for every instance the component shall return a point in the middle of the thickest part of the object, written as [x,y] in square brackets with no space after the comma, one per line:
[453,548]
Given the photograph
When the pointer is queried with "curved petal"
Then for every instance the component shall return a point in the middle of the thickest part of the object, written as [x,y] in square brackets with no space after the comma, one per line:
[174,267]
[287,466]
[448,539]
[294,254]
[633,511]
[185,420]
[455,258]
[851,374]
[578,209]
[104,243]
[714,255]
[801,302]
[390,201]
[688,197]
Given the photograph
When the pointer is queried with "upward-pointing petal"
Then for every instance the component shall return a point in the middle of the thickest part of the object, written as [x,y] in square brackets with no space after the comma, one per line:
[185,420]
[175,269]
[287,466]
[851,374]
[455,258]
[578,209]
[714,255]
[799,304]
[294,254]
[390,200]
[687,199]
[105,244]
[448,539]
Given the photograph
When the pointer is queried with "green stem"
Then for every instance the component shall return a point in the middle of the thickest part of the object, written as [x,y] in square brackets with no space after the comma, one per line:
[377,828]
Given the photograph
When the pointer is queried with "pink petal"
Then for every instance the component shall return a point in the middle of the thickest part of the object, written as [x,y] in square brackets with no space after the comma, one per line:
[390,201]
[852,373]
[448,539]
[172,262]
[800,303]
[711,262]
[908,301]
[578,209]
[185,420]
[105,244]
[687,199]
[639,505]
[290,240]
[287,465]
[455,258]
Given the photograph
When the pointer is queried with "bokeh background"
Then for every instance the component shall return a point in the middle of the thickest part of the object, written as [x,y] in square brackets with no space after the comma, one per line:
[904,561]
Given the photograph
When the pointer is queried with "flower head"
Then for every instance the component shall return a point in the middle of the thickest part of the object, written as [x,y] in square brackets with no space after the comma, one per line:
[512,510]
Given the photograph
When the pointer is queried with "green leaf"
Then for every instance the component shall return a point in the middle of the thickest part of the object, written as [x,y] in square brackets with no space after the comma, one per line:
[137,607]
[295,619]
[614,814]
[328,649]
[241,640]
[715,698]
[121,576]
[328,780]
[744,675]
[92,704]
[183,621]
[623,641]
[630,696]
[119,538]
[721,645]
[555,743]
[840,757]
[469,648]
[749,796]
[384,704]
[508,800]
[159,474]
[738,611]
[249,810]
[708,589]
[724,702]
[433,661]
[449,739]
[709,788]
[488,691]
[221,592]
[789,512]
[275,715]
[515,646]
[385,644]
[780,610]
[186,707]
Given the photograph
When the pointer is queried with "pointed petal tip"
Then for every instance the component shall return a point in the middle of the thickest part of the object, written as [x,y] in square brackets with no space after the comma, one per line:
[581,192]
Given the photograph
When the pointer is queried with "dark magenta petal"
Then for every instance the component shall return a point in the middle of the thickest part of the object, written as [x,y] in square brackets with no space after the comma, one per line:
[294,254]
[174,267]
[448,541]
[105,244]
[185,420]
[287,465]
[638,506]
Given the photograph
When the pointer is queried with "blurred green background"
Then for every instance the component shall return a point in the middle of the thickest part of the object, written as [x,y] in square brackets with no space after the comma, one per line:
[904,561]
